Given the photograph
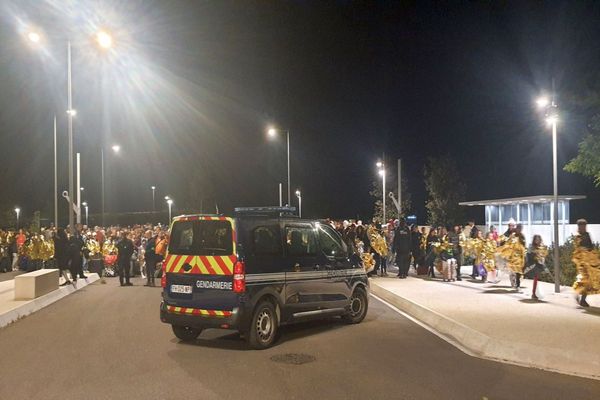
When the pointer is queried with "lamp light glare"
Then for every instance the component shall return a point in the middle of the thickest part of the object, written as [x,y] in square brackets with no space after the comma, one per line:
[542,102]
[116,148]
[104,40]
[34,37]
[379,164]
[552,119]
[381,172]
[272,132]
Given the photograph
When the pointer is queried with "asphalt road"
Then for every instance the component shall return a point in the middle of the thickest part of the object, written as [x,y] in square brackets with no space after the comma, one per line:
[106,342]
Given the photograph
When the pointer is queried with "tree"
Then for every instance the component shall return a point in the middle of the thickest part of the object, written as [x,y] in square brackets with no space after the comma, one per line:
[587,161]
[390,208]
[445,190]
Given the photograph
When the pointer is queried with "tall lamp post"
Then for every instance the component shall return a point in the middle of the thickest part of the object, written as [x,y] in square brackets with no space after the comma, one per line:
[550,109]
[153,198]
[87,221]
[170,204]
[17,211]
[299,195]
[381,171]
[116,149]
[273,133]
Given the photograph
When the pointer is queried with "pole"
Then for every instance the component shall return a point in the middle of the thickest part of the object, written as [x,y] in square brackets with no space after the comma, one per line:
[87,221]
[300,206]
[153,200]
[399,188]
[169,213]
[383,175]
[102,183]
[17,220]
[555,205]
[289,198]
[78,208]
[70,134]
[55,179]
[280,195]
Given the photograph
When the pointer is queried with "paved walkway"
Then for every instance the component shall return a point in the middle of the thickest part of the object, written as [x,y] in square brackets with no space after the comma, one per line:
[494,321]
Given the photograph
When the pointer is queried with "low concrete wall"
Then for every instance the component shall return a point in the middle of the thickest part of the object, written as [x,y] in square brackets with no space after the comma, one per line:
[34,284]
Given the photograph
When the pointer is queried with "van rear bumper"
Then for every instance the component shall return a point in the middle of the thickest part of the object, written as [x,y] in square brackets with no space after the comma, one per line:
[230,321]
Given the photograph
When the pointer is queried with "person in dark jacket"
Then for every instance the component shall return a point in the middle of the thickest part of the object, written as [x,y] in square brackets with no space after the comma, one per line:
[150,257]
[76,256]
[125,247]
[61,254]
[401,247]
[415,248]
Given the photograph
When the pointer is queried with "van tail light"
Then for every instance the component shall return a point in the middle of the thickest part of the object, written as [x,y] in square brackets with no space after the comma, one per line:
[239,277]
[163,278]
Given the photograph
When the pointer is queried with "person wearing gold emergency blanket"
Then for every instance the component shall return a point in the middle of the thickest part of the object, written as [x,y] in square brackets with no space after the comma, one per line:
[484,253]
[513,250]
[587,261]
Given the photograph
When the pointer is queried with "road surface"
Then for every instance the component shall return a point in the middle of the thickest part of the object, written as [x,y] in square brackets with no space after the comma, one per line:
[106,342]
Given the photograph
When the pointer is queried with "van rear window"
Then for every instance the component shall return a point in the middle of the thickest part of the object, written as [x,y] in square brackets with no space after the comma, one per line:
[202,238]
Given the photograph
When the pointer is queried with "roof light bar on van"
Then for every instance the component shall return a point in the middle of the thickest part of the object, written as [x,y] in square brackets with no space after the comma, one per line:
[275,210]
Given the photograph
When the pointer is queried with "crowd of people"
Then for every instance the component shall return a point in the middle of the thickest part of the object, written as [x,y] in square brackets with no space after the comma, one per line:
[443,250]
[111,251]
[433,251]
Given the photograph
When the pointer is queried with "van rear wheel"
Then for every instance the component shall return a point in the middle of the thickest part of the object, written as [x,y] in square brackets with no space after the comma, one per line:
[264,326]
[185,333]
[359,304]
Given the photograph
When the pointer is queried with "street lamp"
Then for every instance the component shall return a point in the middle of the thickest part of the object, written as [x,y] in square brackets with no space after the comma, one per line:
[115,148]
[153,198]
[381,171]
[17,211]
[299,195]
[85,205]
[272,132]
[170,203]
[104,40]
[550,111]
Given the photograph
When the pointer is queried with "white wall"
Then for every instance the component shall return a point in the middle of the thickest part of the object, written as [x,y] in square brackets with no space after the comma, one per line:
[547,232]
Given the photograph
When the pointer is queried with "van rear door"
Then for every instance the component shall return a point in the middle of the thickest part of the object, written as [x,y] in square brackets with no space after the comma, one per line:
[199,266]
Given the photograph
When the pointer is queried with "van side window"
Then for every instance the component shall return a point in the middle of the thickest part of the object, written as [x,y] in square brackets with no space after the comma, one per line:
[300,241]
[266,240]
[331,243]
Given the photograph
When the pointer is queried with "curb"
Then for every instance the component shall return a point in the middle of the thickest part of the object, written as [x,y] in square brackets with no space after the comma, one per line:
[37,304]
[480,345]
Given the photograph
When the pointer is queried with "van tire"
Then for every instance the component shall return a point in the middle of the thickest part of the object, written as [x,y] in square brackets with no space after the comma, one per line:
[185,333]
[357,309]
[264,326]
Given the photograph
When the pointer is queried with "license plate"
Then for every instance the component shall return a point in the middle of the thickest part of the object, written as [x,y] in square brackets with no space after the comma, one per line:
[184,289]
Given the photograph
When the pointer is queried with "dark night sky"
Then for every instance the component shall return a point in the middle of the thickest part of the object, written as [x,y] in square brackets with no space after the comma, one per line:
[190,87]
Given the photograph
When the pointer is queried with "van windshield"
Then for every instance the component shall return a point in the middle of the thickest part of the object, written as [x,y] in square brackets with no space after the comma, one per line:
[202,238]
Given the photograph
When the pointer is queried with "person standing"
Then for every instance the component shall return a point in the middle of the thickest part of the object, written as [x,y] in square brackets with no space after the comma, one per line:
[415,249]
[125,247]
[401,247]
[454,238]
[150,257]
[61,254]
[76,256]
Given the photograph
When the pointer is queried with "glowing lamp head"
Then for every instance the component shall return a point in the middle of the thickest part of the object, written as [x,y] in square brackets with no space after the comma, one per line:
[152,187]
[381,172]
[116,148]
[17,210]
[169,201]
[272,132]
[84,204]
[542,102]
[72,112]
[552,119]
[104,40]
[34,37]
[379,164]
[298,193]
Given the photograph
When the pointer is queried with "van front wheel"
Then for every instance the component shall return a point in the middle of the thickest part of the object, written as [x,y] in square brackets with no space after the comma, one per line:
[357,309]
[264,326]
[185,333]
